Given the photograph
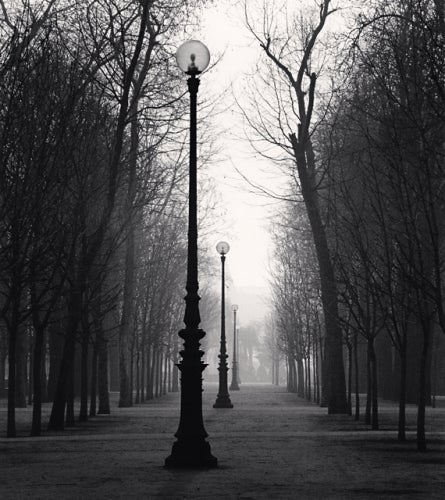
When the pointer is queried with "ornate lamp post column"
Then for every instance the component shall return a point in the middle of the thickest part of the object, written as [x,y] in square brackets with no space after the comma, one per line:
[223,398]
[234,385]
[191,448]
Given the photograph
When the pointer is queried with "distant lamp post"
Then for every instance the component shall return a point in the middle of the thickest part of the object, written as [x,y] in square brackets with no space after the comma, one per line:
[191,448]
[223,398]
[238,356]
[234,385]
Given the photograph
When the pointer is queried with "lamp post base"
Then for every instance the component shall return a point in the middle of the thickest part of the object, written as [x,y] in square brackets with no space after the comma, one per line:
[191,453]
[234,385]
[223,397]
[191,448]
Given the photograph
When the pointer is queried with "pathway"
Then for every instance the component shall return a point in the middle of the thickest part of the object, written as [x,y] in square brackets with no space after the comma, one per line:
[271,445]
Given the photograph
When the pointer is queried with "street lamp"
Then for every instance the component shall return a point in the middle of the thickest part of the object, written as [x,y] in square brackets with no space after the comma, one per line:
[191,448]
[223,398]
[234,385]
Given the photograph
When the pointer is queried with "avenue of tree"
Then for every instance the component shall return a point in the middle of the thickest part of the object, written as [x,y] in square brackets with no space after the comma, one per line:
[93,162]
[93,197]
[356,120]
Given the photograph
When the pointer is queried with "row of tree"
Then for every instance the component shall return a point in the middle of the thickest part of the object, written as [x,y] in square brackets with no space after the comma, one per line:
[93,238]
[361,125]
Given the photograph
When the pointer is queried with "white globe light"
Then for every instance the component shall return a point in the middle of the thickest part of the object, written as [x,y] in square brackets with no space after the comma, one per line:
[193,57]
[222,247]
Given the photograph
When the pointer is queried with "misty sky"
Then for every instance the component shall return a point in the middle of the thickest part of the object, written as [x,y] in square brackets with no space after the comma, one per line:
[244,214]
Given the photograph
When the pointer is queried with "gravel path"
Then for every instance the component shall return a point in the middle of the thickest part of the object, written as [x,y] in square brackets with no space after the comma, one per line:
[271,445]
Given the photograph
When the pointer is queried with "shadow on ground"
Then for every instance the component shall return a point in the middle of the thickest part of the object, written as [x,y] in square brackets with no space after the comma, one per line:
[270,445]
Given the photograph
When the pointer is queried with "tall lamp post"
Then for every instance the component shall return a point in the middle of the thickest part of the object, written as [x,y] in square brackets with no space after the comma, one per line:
[191,448]
[223,398]
[234,385]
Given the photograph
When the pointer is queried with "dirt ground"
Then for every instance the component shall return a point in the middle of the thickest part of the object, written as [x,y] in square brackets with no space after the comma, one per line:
[271,445]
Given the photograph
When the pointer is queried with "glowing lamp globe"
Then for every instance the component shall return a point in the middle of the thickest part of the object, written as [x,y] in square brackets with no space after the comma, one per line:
[222,247]
[235,307]
[193,57]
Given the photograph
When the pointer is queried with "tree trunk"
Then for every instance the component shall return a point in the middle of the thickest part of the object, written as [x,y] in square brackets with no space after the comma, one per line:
[317,374]
[37,383]
[56,344]
[291,374]
[401,436]
[21,368]
[324,384]
[349,345]
[314,372]
[300,378]
[375,401]
[335,376]
[356,381]
[368,387]
[102,368]
[175,374]
[150,371]
[70,420]
[83,411]
[138,385]
[3,355]
[435,346]
[11,428]
[423,396]
[155,372]
[30,370]
[142,374]
[169,375]
[126,328]
[287,374]
[66,370]
[158,373]
[43,374]
[132,370]
[125,393]
[93,387]
[164,382]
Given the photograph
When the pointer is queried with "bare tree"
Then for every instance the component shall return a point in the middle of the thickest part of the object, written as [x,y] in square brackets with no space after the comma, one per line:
[387,156]
[292,82]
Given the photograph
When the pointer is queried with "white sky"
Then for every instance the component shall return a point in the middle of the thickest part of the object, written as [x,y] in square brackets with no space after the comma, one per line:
[245,223]
[224,32]
[245,213]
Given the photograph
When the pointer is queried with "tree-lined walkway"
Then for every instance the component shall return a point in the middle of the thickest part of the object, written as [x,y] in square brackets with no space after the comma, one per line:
[270,445]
